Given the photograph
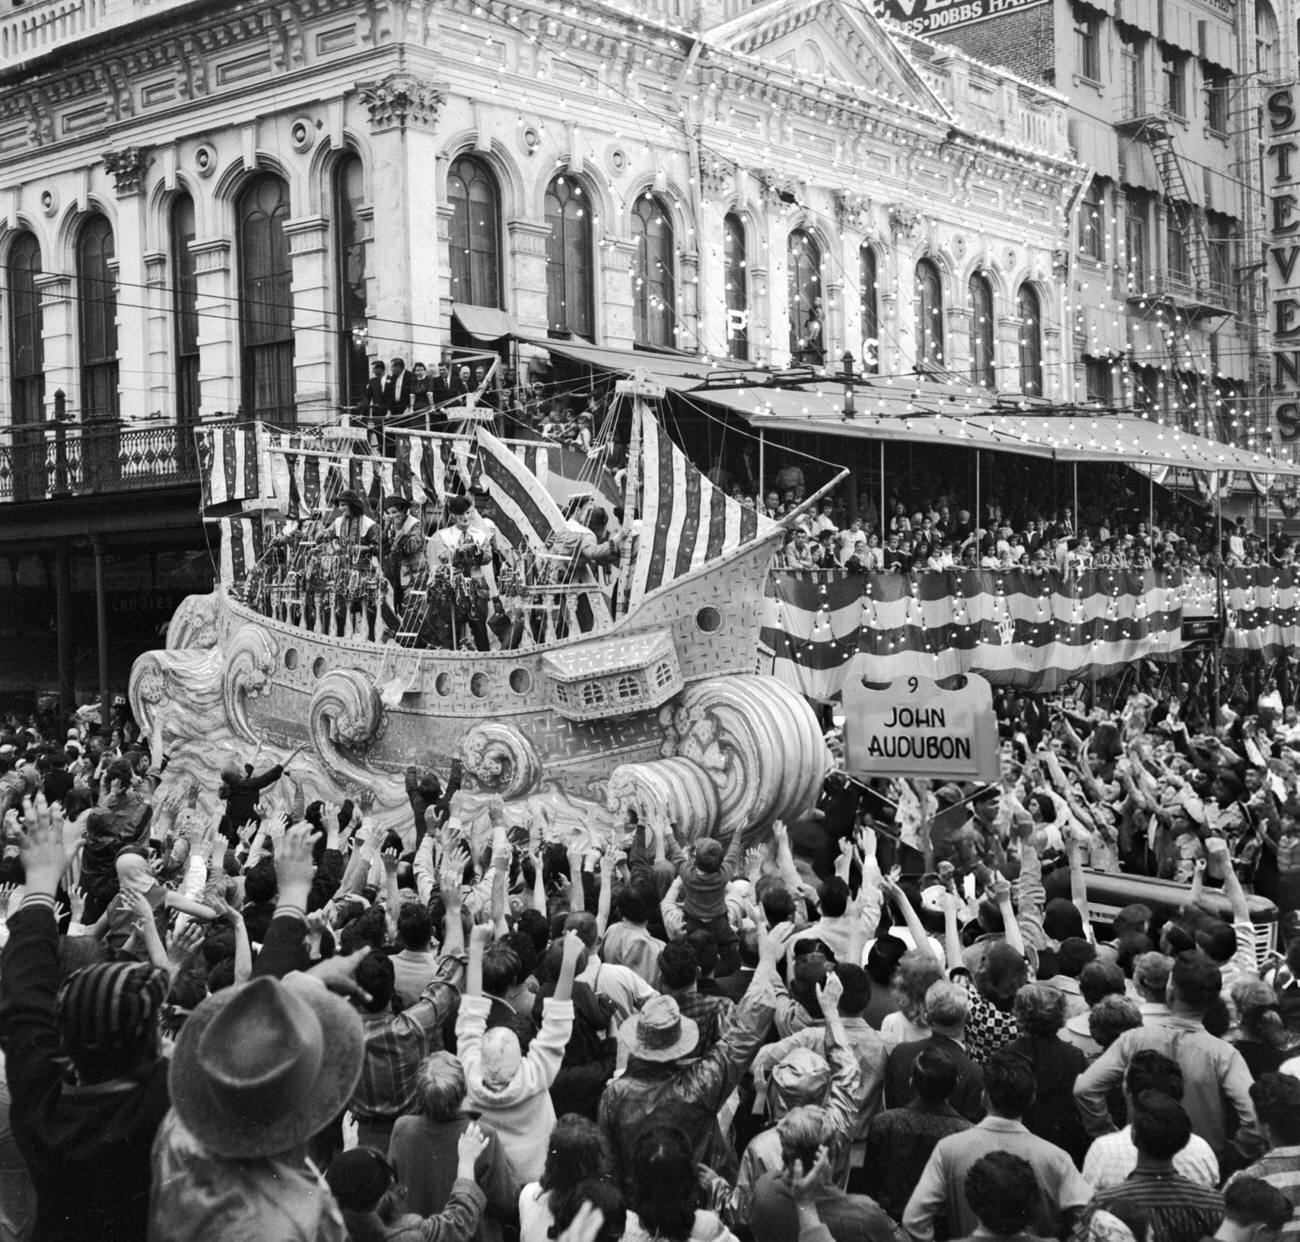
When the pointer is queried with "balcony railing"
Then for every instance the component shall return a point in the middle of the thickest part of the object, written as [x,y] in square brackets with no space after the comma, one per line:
[58,460]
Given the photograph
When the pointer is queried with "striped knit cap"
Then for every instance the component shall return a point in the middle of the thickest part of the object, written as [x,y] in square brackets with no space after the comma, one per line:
[108,1006]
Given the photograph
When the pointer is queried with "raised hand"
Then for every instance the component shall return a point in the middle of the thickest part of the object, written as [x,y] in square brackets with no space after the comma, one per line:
[829,993]
[294,868]
[184,944]
[471,1144]
[42,848]
[339,974]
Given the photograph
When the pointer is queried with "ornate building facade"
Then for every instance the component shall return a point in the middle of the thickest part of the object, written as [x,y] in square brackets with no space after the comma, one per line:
[210,213]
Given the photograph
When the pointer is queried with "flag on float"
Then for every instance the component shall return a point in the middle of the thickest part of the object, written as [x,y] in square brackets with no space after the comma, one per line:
[536,457]
[686,522]
[526,513]
[242,541]
[228,465]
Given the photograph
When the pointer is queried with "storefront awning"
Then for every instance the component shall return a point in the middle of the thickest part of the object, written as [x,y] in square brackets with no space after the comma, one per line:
[1123,439]
[487,323]
[675,371]
[924,410]
[822,410]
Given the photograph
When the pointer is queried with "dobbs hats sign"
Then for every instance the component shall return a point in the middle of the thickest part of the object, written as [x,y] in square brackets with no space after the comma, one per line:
[914,727]
[930,16]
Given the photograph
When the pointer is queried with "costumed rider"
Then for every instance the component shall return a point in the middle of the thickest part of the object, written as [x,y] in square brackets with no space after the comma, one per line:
[465,548]
[404,561]
[588,553]
[356,534]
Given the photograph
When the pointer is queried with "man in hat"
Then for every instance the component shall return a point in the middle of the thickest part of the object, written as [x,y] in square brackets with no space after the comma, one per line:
[258,1070]
[84,1135]
[665,1083]
[404,543]
[465,549]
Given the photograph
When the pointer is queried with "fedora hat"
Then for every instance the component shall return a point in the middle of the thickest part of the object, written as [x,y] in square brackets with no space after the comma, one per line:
[659,1032]
[260,1067]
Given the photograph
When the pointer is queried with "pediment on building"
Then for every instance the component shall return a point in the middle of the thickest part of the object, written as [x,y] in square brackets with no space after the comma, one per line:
[839,43]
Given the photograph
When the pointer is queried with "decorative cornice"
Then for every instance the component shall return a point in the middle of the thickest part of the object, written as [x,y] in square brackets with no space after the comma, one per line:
[401,100]
[127,168]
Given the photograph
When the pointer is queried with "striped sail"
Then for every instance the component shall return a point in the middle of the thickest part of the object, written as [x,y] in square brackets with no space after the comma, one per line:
[686,522]
[525,512]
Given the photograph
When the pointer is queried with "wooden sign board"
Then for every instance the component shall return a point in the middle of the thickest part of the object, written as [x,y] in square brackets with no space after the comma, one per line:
[913,727]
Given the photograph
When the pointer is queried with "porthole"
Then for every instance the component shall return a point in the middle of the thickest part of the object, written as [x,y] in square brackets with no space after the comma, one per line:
[708,619]
[291,658]
[442,684]
[478,685]
[318,667]
[521,680]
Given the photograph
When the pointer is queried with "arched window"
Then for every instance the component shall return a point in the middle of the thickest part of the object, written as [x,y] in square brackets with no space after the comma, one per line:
[351,234]
[1267,42]
[735,265]
[26,348]
[807,328]
[97,319]
[981,332]
[185,311]
[266,301]
[929,314]
[654,310]
[869,301]
[1031,342]
[475,233]
[570,263]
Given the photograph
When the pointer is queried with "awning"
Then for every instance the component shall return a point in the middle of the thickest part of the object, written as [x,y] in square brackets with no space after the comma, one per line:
[1123,439]
[1120,439]
[485,322]
[675,371]
[822,410]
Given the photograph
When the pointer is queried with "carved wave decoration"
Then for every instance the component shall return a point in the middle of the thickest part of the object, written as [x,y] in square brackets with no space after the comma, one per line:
[346,715]
[194,623]
[500,759]
[757,741]
[250,662]
[676,788]
[188,685]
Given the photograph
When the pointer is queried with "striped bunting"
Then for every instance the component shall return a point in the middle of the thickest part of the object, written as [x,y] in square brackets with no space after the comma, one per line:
[306,483]
[1014,628]
[241,547]
[686,522]
[525,511]
[1261,612]
[432,465]
[228,460]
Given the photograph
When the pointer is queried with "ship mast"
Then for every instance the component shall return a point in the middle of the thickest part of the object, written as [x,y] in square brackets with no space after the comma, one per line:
[637,389]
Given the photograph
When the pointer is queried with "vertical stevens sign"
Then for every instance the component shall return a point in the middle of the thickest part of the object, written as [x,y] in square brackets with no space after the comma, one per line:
[1282,181]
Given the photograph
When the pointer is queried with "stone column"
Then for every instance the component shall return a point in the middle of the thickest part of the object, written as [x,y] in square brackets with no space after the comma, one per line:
[315,351]
[614,258]
[1007,356]
[218,339]
[409,258]
[957,354]
[127,167]
[688,318]
[528,264]
[711,282]
[58,335]
[833,332]
[159,339]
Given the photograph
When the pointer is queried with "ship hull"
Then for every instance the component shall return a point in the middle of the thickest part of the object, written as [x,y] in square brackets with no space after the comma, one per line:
[703,739]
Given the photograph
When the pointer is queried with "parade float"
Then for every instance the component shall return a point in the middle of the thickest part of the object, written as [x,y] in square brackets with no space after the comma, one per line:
[641,695]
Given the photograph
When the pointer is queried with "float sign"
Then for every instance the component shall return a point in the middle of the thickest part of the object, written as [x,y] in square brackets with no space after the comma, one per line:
[915,728]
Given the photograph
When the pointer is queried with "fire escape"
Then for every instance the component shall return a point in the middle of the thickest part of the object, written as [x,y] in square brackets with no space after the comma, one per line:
[1178,300]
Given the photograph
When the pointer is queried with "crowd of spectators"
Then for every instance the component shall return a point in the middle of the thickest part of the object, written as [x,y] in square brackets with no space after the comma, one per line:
[282,1021]
[941,533]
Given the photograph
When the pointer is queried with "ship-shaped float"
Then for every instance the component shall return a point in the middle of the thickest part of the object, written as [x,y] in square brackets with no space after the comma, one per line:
[634,688]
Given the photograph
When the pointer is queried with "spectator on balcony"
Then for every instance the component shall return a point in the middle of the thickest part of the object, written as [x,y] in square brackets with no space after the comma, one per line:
[371,406]
[399,388]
